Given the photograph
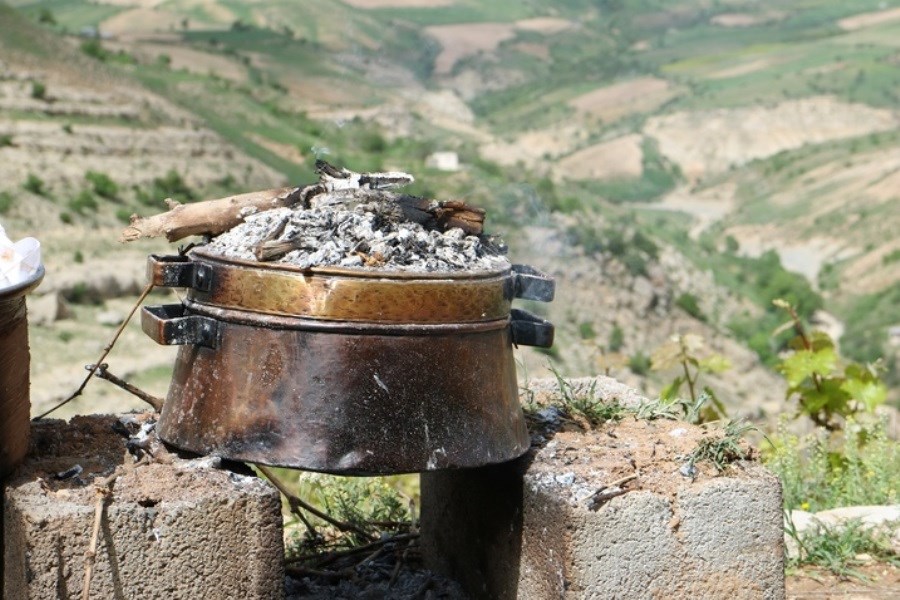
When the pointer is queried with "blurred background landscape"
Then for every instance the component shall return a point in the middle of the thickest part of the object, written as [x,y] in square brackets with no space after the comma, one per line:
[675,165]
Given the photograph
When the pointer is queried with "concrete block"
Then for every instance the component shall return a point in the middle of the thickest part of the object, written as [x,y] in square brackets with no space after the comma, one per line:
[561,523]
[174,528]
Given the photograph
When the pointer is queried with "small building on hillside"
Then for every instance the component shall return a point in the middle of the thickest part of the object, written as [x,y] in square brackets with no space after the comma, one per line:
[443,161]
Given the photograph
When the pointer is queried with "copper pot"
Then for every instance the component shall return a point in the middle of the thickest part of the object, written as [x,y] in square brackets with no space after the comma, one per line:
[345,371]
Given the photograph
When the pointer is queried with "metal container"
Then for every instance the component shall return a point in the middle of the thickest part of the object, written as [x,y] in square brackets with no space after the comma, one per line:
[15,360]
[345,371]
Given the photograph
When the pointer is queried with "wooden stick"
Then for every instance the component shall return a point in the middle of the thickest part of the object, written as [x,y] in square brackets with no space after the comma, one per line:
[103,373]
[105,353]
[211,217]
[90,555]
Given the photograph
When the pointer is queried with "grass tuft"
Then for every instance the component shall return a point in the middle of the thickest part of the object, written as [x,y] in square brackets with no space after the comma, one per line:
[838,549]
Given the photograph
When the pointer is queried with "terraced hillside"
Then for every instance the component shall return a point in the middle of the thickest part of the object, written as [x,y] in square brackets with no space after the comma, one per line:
[649,153]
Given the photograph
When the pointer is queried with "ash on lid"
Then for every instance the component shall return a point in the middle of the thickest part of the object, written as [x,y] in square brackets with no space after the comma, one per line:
[358,228]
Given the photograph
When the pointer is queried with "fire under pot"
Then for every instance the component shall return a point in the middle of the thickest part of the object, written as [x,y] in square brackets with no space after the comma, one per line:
[345,371]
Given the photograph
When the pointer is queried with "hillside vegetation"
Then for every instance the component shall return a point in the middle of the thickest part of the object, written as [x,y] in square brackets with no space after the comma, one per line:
[676,165]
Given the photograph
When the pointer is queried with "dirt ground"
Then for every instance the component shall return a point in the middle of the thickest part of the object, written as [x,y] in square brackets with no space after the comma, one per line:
[640,454]
[461,41]
[140,20]
[533,147]
[869,19]
[742,69]
[621,157]
[810,584]
[370,4]
[185,58]
[545,25]
[744,19]
[616,101]
[704,142]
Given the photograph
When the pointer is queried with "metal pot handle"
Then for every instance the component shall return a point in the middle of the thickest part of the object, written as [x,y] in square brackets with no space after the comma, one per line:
[178,271]
[529,329]
[166,324]
[532,284]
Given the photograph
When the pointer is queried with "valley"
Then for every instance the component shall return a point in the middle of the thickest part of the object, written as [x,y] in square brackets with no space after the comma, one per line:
[648,154]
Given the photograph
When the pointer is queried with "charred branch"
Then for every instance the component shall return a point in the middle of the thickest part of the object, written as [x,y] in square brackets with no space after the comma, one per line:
[211,217]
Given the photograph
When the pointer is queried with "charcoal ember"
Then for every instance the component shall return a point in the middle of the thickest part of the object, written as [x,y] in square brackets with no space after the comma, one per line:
[369,235]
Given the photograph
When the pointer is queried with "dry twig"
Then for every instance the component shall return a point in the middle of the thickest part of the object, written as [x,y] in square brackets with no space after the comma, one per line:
[296,504]
[609,491]
[330,557]
[103,355]
[103,373]
[103,491]
[90,555]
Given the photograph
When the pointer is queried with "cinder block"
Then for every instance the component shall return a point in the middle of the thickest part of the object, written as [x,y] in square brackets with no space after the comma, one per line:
[544,527]
[174,528]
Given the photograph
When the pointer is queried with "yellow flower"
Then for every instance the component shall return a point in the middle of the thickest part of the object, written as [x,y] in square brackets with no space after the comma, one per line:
[804,506]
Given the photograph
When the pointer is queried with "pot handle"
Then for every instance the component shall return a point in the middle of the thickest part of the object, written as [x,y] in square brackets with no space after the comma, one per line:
[532,284]
[530,330]
[178,271]
[166,324]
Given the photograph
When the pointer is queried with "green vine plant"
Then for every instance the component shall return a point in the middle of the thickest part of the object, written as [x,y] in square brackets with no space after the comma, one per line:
[689,353]
[828,389]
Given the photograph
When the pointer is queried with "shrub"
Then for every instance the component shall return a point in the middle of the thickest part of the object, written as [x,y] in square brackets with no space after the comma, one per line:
[688,303]
[173,186]
[34,184]
[102,184]
[587,236]
[645,244]
[38,90]
[46,17]
[886,259]
[732,245]
[6,202]
[616,338]
[372,141]
[586,330]
[83,202]
[635,263]
[841,548]
[94,49]
[80,293]
[6,139]
[639,363]
[66,218]
[124,215]
[819,471]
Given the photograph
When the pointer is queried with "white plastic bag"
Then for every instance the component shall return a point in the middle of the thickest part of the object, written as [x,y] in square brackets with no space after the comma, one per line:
[19,261]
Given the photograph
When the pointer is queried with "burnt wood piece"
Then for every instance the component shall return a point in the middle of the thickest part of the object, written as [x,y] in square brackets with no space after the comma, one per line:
[442,215]
[210,217]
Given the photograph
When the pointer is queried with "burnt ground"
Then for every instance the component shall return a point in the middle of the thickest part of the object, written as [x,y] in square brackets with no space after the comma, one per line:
[376,581]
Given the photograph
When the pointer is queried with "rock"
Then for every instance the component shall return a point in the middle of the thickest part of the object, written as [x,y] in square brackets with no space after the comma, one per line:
[47,309]
[606,389]
[110,318]
[871,516]
[886,518]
